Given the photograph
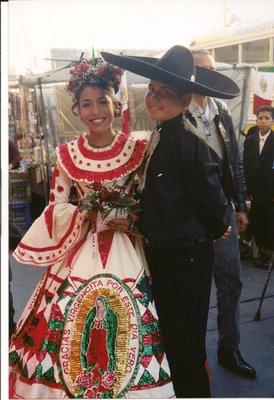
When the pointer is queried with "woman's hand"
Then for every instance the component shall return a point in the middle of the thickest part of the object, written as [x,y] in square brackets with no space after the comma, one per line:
[119,224]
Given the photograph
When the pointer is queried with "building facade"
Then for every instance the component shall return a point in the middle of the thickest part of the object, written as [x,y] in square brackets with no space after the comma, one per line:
[251,44]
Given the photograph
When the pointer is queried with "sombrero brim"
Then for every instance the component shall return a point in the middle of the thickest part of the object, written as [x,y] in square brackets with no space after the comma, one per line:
[207,82]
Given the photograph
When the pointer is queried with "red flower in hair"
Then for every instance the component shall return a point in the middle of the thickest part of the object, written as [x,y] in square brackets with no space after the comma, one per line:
[101,70]
[72,85]
[84,66]
[94,70]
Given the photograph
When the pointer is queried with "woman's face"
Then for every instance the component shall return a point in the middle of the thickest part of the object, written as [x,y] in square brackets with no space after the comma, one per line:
[96,109]
[163,102]
[100,305]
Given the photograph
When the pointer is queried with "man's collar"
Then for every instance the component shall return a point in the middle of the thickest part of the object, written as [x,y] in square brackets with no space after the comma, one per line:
[171,122]
[212,107]
[264,136]
[194,108]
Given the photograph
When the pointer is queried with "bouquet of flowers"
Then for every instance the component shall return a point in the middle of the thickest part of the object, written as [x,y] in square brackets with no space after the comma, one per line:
[109,199]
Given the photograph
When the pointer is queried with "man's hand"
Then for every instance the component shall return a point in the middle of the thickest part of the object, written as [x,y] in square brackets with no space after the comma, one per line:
[242,221]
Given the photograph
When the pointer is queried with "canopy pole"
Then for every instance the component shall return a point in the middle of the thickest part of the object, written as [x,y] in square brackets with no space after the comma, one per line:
[244,110]
[45,135]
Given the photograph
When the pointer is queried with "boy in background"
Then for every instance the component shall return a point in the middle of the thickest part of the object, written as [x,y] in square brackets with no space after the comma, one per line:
[259,174]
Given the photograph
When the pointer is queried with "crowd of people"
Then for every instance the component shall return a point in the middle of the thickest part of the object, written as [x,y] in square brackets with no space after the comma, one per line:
[122,308]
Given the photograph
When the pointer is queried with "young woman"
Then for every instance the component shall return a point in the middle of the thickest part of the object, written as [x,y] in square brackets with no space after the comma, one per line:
[95,285]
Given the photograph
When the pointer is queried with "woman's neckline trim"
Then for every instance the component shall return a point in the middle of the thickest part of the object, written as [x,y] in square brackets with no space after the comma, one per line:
[103,148]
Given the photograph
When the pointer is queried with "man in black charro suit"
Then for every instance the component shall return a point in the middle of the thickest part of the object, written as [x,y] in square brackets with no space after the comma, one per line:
[183,210]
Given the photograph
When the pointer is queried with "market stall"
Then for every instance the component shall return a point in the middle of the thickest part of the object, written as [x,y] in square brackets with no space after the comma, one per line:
[41,118]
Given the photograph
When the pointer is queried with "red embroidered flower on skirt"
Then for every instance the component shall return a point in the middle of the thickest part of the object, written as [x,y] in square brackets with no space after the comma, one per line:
[91,393]
[108,380]
[85,379]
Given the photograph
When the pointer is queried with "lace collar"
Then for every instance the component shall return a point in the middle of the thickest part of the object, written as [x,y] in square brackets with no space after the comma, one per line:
[99,148]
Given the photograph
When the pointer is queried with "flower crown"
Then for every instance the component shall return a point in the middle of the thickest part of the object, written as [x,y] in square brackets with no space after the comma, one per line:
[95,71]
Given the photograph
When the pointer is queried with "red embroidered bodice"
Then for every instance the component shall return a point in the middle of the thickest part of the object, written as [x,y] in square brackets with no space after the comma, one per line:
[61,226]
[86,164]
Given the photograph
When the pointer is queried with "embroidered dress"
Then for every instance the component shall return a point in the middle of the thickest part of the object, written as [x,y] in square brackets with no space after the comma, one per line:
[90,329]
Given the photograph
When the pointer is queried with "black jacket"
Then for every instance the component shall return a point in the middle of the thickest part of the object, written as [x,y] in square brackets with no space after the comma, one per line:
[232,177]
[183,198]
[259,168]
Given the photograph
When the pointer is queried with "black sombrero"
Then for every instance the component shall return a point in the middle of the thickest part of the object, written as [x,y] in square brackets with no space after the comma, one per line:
[176,68]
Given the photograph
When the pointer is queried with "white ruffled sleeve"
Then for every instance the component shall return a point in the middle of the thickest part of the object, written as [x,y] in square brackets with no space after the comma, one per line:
[58,228]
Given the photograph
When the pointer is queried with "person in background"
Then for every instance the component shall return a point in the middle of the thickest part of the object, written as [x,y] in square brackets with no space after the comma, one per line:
[259,173]
[14,238]
[14,156]
[14,233]
[183,210]
[214,125]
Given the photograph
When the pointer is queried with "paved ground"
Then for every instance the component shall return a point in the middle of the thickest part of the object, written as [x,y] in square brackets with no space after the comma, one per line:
[257,340]
[257,343]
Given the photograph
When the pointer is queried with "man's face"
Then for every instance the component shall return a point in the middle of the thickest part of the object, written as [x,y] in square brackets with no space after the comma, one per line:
[205,61]
[164,102]
[264,121]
